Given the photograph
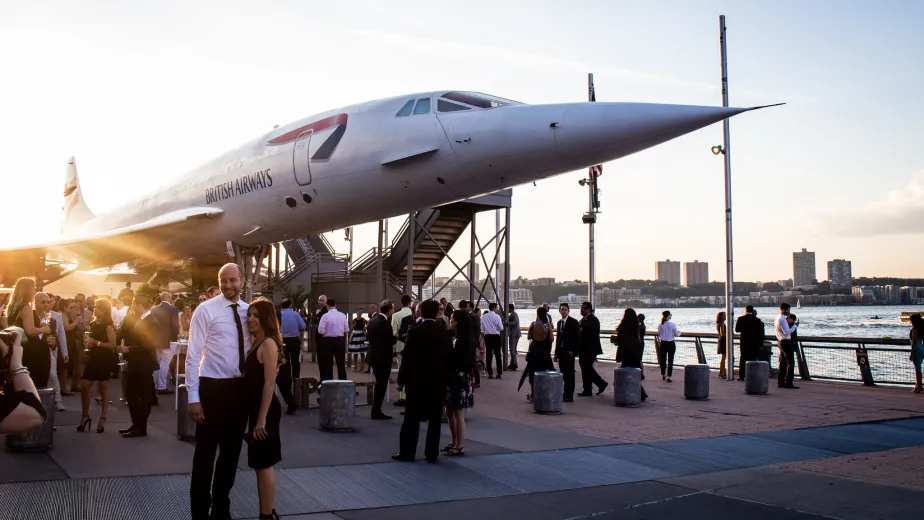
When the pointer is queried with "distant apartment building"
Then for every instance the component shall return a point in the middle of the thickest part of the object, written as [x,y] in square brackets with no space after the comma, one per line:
[840,272]
[521,295]
[668,271]
[571,299]
[606,295]
[545,282]
[863,295]
[695,273]
[803,268]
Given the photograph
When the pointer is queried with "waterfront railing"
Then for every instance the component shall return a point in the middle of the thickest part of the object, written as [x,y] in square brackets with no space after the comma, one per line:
[818,357]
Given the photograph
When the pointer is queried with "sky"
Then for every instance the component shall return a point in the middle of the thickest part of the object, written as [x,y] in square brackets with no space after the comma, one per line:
[141,93]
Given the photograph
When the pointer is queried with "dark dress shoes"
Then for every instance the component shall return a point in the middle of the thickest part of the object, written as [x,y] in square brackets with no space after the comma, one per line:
[291,409]
[123,431]
[585,394]
[602,388]
[134,433]
[380,417]
[401,458]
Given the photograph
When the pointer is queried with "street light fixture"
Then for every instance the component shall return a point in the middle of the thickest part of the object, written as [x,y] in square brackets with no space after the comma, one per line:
[717,149]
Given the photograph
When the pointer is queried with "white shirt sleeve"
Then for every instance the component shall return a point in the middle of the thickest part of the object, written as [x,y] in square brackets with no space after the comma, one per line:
[676,330]
[346,325]
[62,338]
[198,332]
[322,325]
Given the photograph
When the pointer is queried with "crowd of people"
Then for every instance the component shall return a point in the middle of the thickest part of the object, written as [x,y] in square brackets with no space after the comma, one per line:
[239,353]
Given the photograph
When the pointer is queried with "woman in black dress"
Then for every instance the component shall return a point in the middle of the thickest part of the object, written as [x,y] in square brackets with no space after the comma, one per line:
[628,343]
[459,391]
[20,313]
[539,352]
[98,364]
[264,448]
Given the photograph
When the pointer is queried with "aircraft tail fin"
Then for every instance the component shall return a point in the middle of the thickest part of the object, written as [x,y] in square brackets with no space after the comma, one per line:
[74,210]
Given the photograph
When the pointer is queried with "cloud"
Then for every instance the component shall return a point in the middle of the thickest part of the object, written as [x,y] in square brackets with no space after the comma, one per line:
[900,212]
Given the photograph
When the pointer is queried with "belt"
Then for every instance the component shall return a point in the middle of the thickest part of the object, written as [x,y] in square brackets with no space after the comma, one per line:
[486,335]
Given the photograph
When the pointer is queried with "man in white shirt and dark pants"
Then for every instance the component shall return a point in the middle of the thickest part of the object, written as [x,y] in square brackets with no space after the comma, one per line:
[787,354]
[333,329]
[492,326]
[218,344]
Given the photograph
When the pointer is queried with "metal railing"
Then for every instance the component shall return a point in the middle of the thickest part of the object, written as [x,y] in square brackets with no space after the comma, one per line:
[818,357]
[346,276]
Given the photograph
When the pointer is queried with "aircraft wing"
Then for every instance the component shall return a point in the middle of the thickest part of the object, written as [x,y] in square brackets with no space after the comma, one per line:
[150,239]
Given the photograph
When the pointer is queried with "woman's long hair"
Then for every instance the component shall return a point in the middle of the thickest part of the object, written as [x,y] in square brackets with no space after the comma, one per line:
[917,323]
[463,325]
[665,316]
[102,312]
[541,313]
[629,325]
[266,312]
[23,292]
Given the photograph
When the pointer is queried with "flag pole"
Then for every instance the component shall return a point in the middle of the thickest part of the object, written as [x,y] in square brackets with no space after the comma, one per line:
[729,260]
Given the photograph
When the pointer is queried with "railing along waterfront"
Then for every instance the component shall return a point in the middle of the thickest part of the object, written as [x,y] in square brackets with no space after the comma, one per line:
[818,357]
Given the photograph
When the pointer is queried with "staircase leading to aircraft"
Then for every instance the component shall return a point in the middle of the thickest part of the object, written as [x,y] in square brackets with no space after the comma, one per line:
[436,231]
[306,252]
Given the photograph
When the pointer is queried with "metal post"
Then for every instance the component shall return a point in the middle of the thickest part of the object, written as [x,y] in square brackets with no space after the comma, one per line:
[411,220]
[276,247]
[591,296]
[507,282]
[379,281]
[729,262]
[471,266]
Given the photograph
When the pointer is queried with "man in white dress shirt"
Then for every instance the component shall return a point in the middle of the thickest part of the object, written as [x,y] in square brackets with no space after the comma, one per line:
[333,329]
[787,354]
[492,326]
[217,348]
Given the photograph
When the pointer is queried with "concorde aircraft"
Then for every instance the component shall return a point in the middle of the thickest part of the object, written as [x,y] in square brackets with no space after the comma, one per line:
[361,163]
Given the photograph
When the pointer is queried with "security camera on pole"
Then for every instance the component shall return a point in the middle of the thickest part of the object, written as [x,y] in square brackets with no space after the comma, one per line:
[590,217]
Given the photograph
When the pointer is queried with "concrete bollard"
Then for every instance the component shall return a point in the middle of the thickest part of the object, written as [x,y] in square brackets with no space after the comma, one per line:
[627,387]
[548,391]
[696,382]
[338,403]
[42,437]
[185,428]
[757,377]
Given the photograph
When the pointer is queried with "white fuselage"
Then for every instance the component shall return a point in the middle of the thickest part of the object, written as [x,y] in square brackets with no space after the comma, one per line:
[362,163]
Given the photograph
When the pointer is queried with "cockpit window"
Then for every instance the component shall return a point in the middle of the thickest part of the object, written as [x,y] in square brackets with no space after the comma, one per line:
[445,106]
[423,106]
[406,109]
[478,100]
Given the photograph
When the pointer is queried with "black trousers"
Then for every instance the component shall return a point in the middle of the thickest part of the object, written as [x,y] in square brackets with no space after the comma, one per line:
[566,367]
[589,374]
[382,372]
[492,347]
[787,363]
[223,429]
[290,371]
[328,350]
[666,357]
[138,396]
[748,353]
[416,410]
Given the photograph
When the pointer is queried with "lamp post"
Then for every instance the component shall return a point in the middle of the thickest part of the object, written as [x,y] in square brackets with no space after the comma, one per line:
[729,260]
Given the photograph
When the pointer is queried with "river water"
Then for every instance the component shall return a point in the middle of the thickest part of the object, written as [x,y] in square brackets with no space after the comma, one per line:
[847,321]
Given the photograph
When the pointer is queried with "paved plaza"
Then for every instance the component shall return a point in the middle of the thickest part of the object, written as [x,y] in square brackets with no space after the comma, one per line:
[832,450]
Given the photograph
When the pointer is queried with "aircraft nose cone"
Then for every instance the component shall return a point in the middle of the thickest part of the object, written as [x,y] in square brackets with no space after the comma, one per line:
[606,131]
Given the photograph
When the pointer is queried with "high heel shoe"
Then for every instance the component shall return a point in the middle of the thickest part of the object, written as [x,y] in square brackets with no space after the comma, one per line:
[84,425]
[271,516]
[100,427]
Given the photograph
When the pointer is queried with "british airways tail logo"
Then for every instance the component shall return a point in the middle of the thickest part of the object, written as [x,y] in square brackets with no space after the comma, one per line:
[327,148]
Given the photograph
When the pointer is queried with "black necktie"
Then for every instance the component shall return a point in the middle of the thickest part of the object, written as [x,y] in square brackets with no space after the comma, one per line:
[240,338]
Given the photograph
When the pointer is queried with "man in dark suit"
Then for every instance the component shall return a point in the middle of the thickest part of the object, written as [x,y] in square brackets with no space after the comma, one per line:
[423,375]
[169,318]
[751,329]
[381,351]
[408,322]
[588,351]
[566,347]
[143,337]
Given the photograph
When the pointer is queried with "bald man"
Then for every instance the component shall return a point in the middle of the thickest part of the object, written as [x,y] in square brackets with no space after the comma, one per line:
[169,318]
[218,343]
